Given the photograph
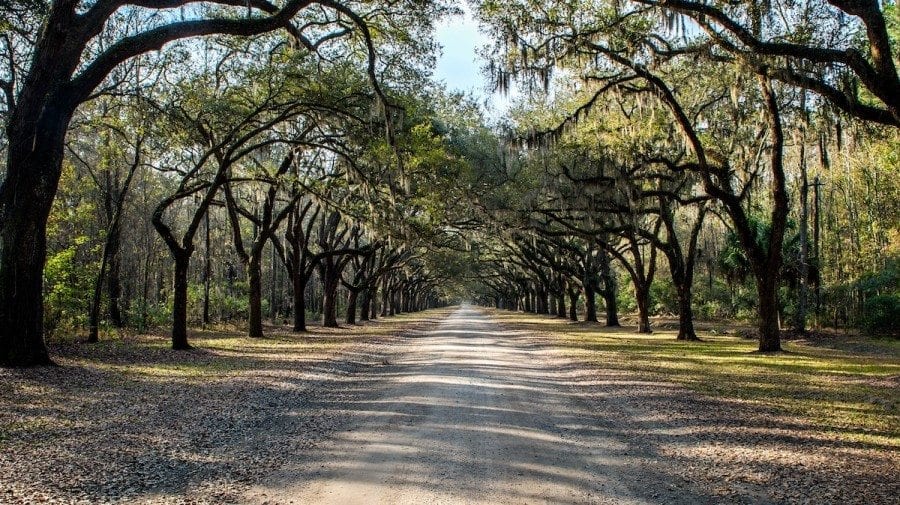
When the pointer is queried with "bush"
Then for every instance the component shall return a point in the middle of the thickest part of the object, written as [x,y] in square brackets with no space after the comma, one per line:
[664,297]
[68,285]
[880,314]
[153,314]
[710,309]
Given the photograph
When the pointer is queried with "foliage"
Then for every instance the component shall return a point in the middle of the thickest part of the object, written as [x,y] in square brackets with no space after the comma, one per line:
[880,314]
[67,278]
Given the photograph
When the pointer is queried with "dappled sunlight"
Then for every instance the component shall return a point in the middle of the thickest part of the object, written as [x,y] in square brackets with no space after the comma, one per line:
[480,414]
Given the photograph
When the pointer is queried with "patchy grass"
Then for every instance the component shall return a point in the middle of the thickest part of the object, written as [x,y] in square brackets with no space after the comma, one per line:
[852,395]
[219,352]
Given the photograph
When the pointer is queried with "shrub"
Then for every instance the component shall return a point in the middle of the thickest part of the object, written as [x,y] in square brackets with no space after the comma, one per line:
[881,313]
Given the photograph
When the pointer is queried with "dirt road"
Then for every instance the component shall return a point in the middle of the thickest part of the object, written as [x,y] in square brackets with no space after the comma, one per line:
[468,412]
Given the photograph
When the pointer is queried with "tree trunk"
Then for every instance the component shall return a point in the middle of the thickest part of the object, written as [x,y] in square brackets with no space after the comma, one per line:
[642,294]
[609,291]
[94,316]
[769,333]
[685,314]
[394,309]
[329,297]
[590,304]
[543,302]
[34,165]
[352,296]
[561,304]
[385,293]
[254,278]
[611,305]
[364,304]
[573,304]
[179,302]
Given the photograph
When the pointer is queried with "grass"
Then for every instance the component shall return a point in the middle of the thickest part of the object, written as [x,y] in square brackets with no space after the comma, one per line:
[221,351]
[852,395]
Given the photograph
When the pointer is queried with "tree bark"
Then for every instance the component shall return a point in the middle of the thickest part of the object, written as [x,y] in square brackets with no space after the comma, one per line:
[642,294]
[611,304]
[769,333]
[685,314]
[385,294]
[573,304]
[34,164]
[612,308]
[373,299]
[364,304]
[299,285]
[179,302]
[352,297]
[590,303]
[561,304]
[254,279]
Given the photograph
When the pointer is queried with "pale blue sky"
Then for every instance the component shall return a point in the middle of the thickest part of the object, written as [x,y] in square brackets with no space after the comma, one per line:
[460,67]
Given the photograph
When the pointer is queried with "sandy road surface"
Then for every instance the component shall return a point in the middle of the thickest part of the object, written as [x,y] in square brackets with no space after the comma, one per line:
[469,412]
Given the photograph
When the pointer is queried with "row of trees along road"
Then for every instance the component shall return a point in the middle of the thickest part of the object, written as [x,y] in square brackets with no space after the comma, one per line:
[647,124]
[188,162]
[204,115]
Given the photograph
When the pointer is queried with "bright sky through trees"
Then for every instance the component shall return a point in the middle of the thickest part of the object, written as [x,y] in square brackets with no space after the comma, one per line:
[460,66]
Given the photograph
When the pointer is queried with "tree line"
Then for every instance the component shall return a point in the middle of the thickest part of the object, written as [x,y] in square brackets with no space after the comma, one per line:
[196,162]
[271,140]
[705,134]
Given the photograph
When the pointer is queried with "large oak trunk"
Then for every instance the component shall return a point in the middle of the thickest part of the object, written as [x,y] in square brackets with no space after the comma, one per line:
[590,303]
[329,298]
[23,251]
[543,301]
[642,294]
[364,304]
[612,307]
[179,302]
[573,304]
[352,296]
[254,278]
[34,165]
[769,333]
[609,291]
[685,314]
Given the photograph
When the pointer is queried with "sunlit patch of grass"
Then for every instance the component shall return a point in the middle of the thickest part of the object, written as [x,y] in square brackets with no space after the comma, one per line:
[225,351]
[852,395]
